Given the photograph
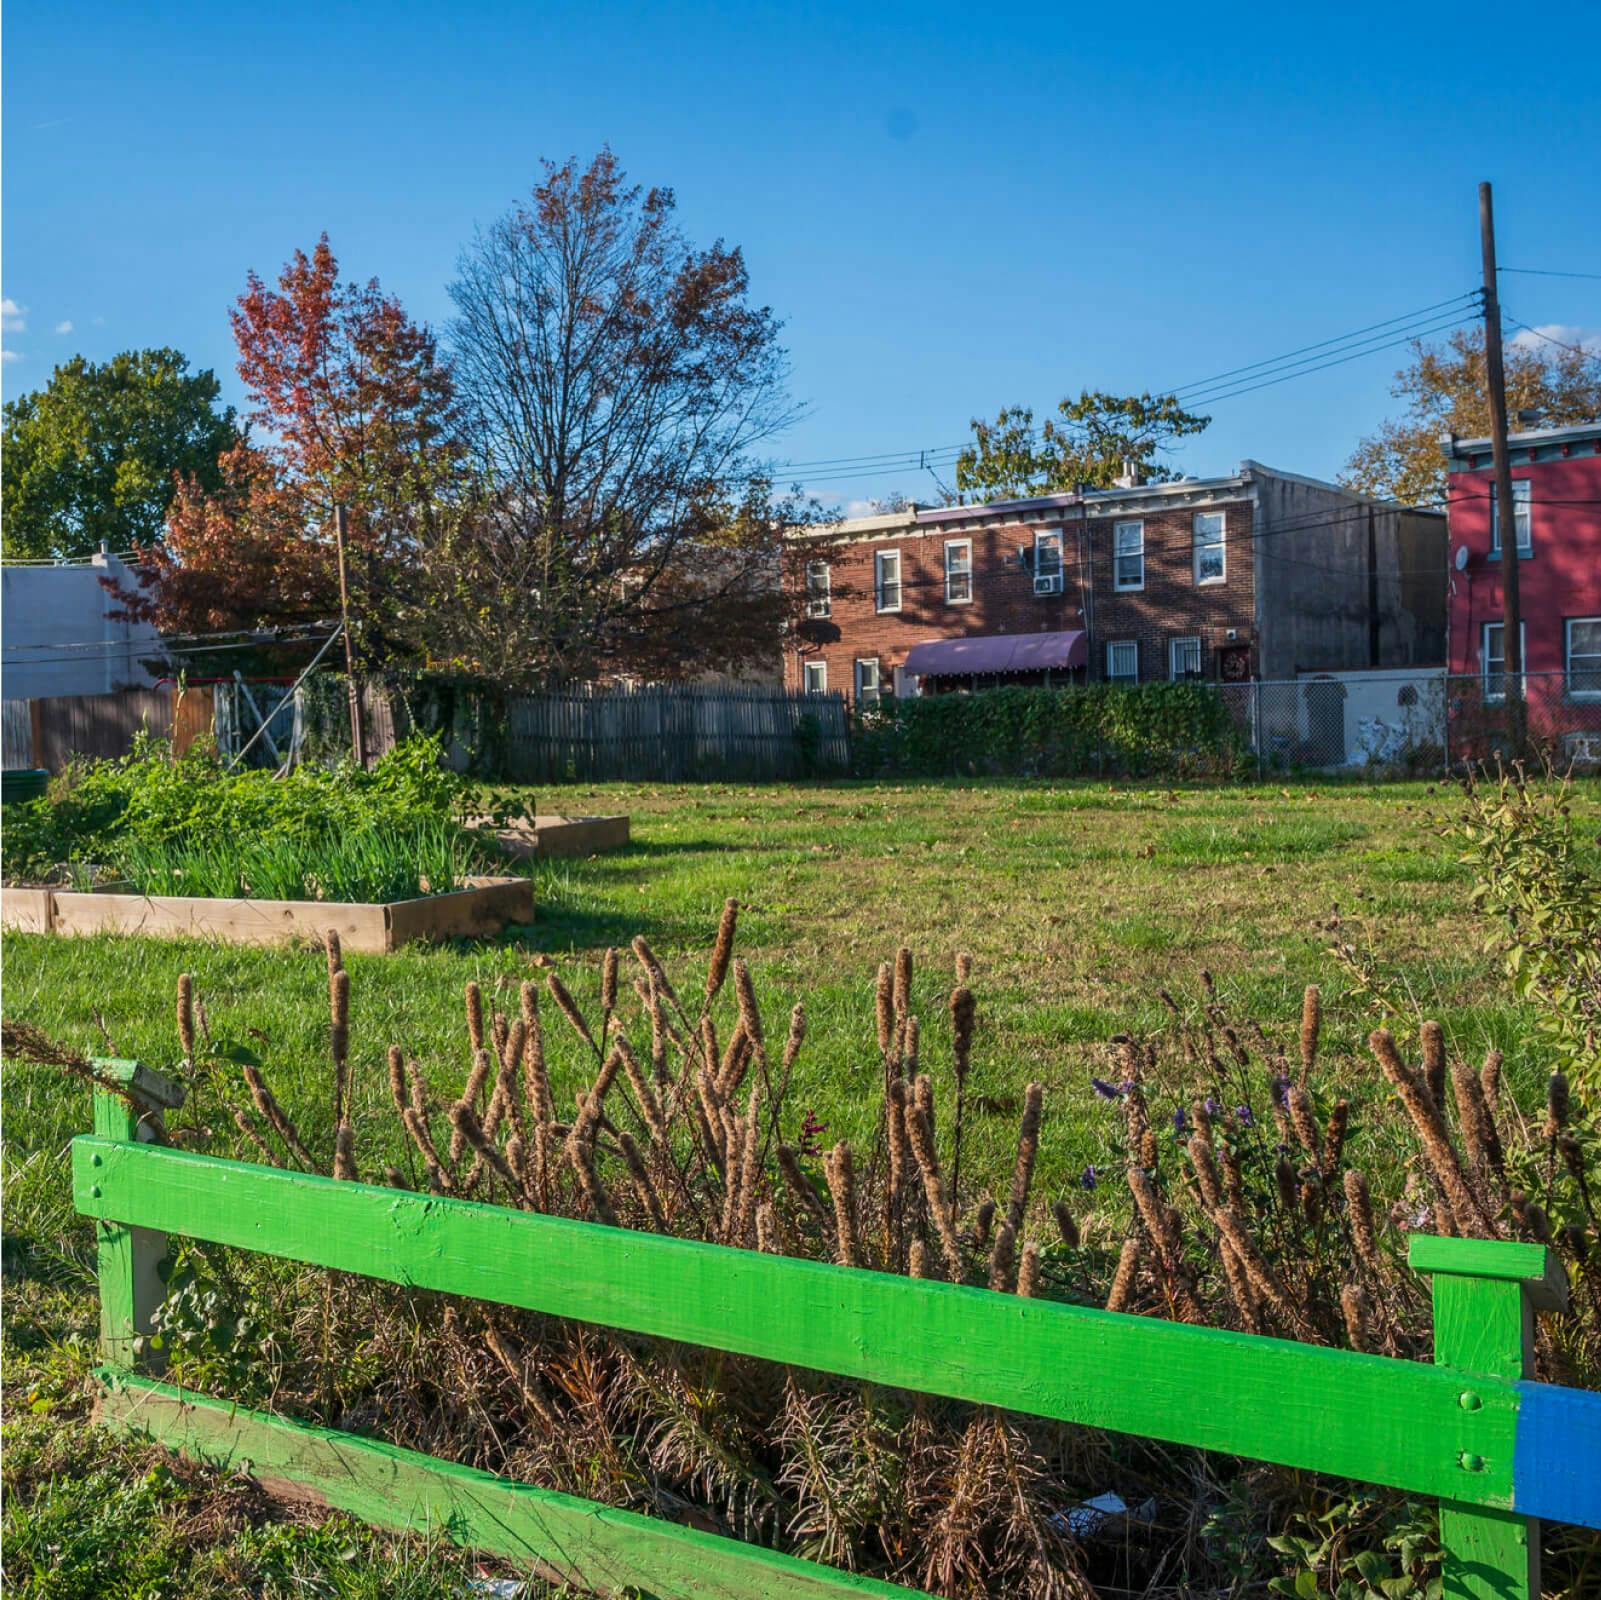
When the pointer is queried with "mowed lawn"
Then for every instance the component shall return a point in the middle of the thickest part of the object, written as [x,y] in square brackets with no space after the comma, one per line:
[1078,903]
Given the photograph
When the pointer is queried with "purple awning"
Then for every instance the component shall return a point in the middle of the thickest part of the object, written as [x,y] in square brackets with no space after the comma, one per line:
[984,655]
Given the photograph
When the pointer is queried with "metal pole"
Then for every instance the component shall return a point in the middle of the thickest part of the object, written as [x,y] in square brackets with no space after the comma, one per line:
[1495,382]
[358,747]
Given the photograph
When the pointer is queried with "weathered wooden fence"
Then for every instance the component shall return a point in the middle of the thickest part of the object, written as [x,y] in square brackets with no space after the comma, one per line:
[48,733]
[1497,1450]
[672,733]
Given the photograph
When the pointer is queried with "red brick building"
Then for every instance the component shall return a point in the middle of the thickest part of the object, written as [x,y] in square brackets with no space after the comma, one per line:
[1556,486]
[1262,574]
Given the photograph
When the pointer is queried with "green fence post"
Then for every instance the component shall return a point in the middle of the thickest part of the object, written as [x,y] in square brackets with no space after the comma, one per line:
[129,1258]
[1485,1294]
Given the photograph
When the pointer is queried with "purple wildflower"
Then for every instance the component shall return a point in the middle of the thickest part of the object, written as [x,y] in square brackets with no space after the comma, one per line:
[1242,1115]
[1212,1107]
[1281,1087]
[1104,1089]
[1088,1178]
[811,1130]
[1181,1123]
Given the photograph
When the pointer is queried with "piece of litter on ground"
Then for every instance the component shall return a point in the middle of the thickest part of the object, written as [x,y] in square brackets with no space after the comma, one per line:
[503,1588]
[1090,1517]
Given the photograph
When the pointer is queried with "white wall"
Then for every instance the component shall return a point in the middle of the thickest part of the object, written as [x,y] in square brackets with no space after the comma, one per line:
[44,608]
[1414,718]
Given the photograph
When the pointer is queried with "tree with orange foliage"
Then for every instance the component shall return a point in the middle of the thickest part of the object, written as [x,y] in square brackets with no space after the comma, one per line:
[350,403]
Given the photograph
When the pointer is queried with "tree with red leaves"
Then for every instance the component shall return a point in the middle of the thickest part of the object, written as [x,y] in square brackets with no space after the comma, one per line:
[350,403]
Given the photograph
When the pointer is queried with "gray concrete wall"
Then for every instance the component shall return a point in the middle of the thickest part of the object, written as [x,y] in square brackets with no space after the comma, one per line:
[1314,600]
[56,637]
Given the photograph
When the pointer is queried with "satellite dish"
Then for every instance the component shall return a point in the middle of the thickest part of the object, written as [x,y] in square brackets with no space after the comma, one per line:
[1461,558]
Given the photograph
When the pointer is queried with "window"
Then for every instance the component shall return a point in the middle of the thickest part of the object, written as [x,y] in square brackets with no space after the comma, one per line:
[1048,561]
[1582,656]
[958,571]
[1128,555]
[887,580]
[1123,662]
[1184,658]
[1520,518]
[819,590]
[867,681]
[816,677]
[1210,565]
[1492,658]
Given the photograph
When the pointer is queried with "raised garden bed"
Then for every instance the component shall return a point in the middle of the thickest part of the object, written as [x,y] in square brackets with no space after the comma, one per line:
[558,836]
[485,907]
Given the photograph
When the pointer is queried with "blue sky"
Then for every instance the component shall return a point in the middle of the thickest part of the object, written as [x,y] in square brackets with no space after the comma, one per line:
[951,207]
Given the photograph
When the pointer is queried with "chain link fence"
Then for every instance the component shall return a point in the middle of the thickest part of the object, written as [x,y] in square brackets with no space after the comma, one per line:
[1423,723]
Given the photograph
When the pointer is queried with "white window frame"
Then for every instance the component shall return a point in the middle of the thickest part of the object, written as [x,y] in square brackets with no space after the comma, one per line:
[866,696]
[1120,555]
[1589,655]
[1049,541]
[881,584]
[1173,655]
[1113,647]
[819,600]
[1221,545]
[814,677]
[1491,697]
[958,572]
[1522,517]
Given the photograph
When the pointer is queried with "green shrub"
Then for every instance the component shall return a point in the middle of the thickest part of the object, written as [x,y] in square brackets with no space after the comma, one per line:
[1180,728]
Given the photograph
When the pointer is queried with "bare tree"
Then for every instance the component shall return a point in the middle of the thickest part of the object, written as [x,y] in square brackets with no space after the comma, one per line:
[618,388]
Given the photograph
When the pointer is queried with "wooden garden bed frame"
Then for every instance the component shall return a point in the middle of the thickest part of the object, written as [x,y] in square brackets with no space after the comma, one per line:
[485,907]
[1497,1450]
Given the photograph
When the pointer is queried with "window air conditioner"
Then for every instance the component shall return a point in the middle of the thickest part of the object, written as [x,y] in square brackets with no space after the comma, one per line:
[1049,583]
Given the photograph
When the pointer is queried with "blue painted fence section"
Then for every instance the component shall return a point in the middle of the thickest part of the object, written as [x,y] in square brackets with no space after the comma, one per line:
[1556,1470]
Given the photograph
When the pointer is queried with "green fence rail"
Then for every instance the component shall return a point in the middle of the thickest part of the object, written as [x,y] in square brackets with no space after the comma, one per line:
[1498,1451]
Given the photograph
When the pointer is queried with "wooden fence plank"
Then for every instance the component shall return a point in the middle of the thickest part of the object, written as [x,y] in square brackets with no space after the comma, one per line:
[600,1548]
[1388,1422]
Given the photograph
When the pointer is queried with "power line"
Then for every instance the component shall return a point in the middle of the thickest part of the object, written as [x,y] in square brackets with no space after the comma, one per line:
[150,648]
[1576,349]
[1546,272]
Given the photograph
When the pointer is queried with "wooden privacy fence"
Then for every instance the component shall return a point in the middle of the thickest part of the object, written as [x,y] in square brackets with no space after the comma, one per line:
[676,732]
[1497,1450]
[48,733]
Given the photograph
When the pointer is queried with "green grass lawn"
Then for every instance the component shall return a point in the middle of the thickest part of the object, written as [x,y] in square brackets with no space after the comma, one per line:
[1078,903]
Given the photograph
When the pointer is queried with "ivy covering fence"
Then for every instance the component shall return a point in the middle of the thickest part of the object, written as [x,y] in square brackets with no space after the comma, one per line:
[1180,729]
[1497,1450]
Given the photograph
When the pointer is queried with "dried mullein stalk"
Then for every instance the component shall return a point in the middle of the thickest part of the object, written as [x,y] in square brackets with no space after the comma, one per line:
[767,1229]
[498,1030]
[1066,1225]
[1204,1160]
[397,1077]
[643,1187]
[345,1153]
[654,970]
[795,1038]
[735,1063]
[1263,1283]
[1558,1105]
[659,1035]
[1311,1023]
[1003,1259]
[722,950]
[884,1007]
[1299,1104]
[1431,1040]
[1490,1080]
[569,1008]
[920,1135]
[269,1108]
[1479,1136]
[247,1126]
[903,984]
[536,1076]
[1530,1217]
[911,1045]
[1233,1176]
[964,966]
[1359,1212]
[750,1016]
[186,1015]
[464,1120]
[582,1158]
[918,1264]
[983,1222]
[895,1138]
[395,1178]
[650,1107]
[475,1016]
[334,950]
[1426,1119]
[1358,1311]
[587,1122]
[1128,1268]
[749,1171]
[339,1040]
[1028,1149]
[1239,1287]
[1028,1272]
[841,1174]
[608,981]
[471,1093]
[1284,1183]
[1334,1136]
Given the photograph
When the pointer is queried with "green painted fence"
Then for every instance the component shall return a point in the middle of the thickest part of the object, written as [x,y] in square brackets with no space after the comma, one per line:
[1497,1450]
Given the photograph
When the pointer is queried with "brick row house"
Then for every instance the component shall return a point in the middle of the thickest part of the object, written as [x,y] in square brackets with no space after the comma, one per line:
[1556,490]
[1263,574]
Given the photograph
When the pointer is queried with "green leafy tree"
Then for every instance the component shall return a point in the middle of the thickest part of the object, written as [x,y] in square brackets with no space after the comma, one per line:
[1090,441]
[97,453]
[1445,392]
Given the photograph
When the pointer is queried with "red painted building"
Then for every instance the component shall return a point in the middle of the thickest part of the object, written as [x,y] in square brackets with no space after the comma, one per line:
[1556,486]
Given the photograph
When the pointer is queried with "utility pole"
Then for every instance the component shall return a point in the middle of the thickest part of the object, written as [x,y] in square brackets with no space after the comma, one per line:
[1495,380]
[358,745]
